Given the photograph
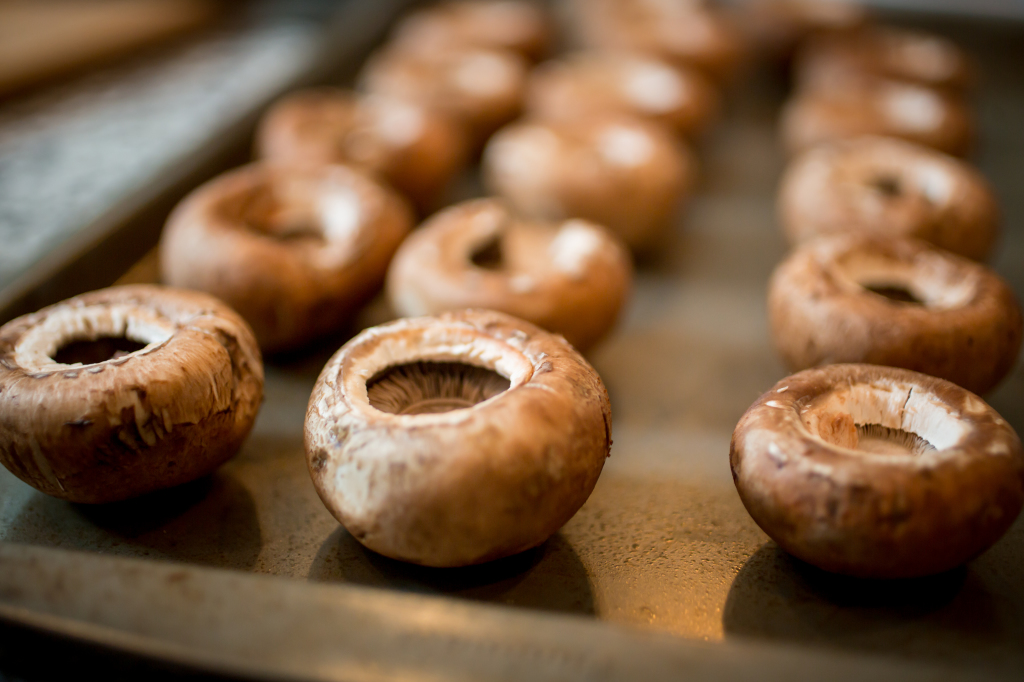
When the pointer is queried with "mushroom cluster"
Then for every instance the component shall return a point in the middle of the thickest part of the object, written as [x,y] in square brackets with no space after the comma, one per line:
[873,469]
[880,81]
[472,428]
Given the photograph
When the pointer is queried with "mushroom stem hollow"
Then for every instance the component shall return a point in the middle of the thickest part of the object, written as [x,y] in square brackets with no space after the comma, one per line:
[428,387]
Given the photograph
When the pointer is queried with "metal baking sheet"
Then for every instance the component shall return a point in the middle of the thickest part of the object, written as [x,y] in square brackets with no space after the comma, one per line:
[661,572]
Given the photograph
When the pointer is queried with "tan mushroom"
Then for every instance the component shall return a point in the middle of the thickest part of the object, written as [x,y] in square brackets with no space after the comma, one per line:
[877,472]
[295,251]
[585,83]
[890,187]
[887,52]
[875,106]
[685,33]
[123,391]
[518,25]
[417,150]
[458,439]
[621,172]
[897,302]
[570,277]
[481,89]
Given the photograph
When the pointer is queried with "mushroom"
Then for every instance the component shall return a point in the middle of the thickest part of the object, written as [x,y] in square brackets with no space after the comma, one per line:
[887,52]
[877,472]
[481,89]
[123,391]
[295,251]
[457,439]
[897,302]
[618,171]
[584,83]
[418,151]
[868,105]
[517,25]
[887,186]
[570,277]
[685,33]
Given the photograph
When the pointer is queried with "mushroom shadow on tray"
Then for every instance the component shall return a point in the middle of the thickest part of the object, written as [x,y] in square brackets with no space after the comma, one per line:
[211,521]
[959,615]
[549,577]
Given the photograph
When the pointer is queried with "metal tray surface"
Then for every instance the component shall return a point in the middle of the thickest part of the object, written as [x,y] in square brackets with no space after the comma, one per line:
[663,545]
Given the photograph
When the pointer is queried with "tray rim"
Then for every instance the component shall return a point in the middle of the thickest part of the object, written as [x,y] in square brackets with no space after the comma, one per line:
[134,223]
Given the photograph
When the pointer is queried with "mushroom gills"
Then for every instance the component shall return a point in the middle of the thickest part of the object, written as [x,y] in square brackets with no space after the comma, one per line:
[883,440]
[427,387]
[489,255]
[92,351]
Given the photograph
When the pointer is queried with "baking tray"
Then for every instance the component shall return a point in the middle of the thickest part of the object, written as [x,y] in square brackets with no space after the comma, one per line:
[662,573]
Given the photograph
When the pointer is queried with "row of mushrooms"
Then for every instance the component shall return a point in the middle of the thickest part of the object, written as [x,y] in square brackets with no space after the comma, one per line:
[878,459]
[472,428]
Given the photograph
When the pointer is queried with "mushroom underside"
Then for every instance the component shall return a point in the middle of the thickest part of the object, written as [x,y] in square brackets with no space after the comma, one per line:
[912,282]
[883,420]
[430,387]
[269,215]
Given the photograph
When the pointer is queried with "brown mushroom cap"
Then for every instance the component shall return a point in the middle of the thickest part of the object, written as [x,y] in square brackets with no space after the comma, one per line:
[887,52]
[417,150]
[481,89]
[876,106]
[877,472]
[686,33]
[517,25]
[165,387]
[294,250]
[572,277]
[621,172]
[457,439]
[584,83]
[896,302]
[891,187]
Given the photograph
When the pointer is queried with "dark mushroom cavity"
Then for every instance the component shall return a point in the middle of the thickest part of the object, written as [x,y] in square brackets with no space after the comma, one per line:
[894,292]
[489,255]
[887,185]
[427,387]
[92,351]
